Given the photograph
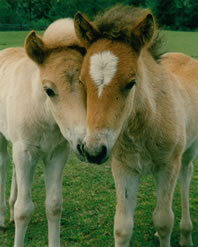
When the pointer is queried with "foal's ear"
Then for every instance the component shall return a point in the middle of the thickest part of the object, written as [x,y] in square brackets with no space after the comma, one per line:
[35,47]
[142,32]
[85,30]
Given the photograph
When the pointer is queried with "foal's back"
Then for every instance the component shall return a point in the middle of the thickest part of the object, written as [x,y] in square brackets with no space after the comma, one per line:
[185,71]
[183,66]
[16,85]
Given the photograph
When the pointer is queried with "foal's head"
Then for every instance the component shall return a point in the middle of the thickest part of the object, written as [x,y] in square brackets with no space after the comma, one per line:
[59,57]
[114,44]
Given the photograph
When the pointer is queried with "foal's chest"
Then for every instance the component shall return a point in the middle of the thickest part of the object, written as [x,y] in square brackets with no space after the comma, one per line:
[49,140]
[142,155]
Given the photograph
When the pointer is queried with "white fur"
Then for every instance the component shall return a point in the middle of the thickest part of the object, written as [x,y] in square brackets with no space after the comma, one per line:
[103,67]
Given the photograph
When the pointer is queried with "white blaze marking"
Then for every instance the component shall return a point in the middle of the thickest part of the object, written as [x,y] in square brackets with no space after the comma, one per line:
[103,66]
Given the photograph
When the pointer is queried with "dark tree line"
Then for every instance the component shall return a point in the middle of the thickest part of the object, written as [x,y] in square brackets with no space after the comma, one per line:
[171,14]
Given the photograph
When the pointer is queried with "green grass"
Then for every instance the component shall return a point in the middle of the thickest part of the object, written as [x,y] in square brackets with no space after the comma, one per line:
[13,39]
[89,192]
[186,42]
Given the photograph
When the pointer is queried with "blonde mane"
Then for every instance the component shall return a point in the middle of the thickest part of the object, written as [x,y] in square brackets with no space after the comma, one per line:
[61,33]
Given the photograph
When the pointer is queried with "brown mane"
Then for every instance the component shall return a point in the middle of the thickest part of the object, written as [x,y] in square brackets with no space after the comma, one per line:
[116,23]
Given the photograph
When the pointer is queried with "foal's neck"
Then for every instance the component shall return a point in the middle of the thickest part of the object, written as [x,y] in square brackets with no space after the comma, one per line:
[41,103]
[145,103]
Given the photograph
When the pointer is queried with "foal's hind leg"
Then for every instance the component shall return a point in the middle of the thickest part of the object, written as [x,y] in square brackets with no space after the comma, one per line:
[13,194]
[4,161]
[186,223]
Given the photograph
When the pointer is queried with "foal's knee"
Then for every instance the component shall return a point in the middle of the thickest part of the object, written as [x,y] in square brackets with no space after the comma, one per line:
[186,233]
[163,221]
[122,232]
[122,238]
[186,226]
[23,212]
[53,208]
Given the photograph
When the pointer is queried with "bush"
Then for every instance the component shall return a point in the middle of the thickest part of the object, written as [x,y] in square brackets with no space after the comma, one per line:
[41,24]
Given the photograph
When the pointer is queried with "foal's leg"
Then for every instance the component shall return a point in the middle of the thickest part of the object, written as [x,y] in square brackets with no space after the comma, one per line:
[186,223]
[4,161]
[53,179]
[163,216]
[25,159]
[126,190]
[13,194]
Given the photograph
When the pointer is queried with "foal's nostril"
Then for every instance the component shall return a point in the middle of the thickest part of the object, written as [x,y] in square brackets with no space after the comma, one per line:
[99,156]
[104,151]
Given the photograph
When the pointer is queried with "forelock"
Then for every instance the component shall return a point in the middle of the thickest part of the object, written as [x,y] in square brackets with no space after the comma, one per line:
[103,67]
[61,33]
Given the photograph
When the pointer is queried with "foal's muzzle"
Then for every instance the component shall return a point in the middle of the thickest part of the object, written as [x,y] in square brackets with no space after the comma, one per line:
[97,154]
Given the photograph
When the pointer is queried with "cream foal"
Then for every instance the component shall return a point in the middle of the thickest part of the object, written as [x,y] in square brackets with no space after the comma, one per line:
[42,111]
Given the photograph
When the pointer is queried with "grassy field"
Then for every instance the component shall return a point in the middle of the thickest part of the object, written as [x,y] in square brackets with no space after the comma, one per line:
[12,39]
[89,192]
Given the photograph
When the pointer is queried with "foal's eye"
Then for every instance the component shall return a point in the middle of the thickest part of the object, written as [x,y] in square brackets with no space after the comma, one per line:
[130,84]
[49,92]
